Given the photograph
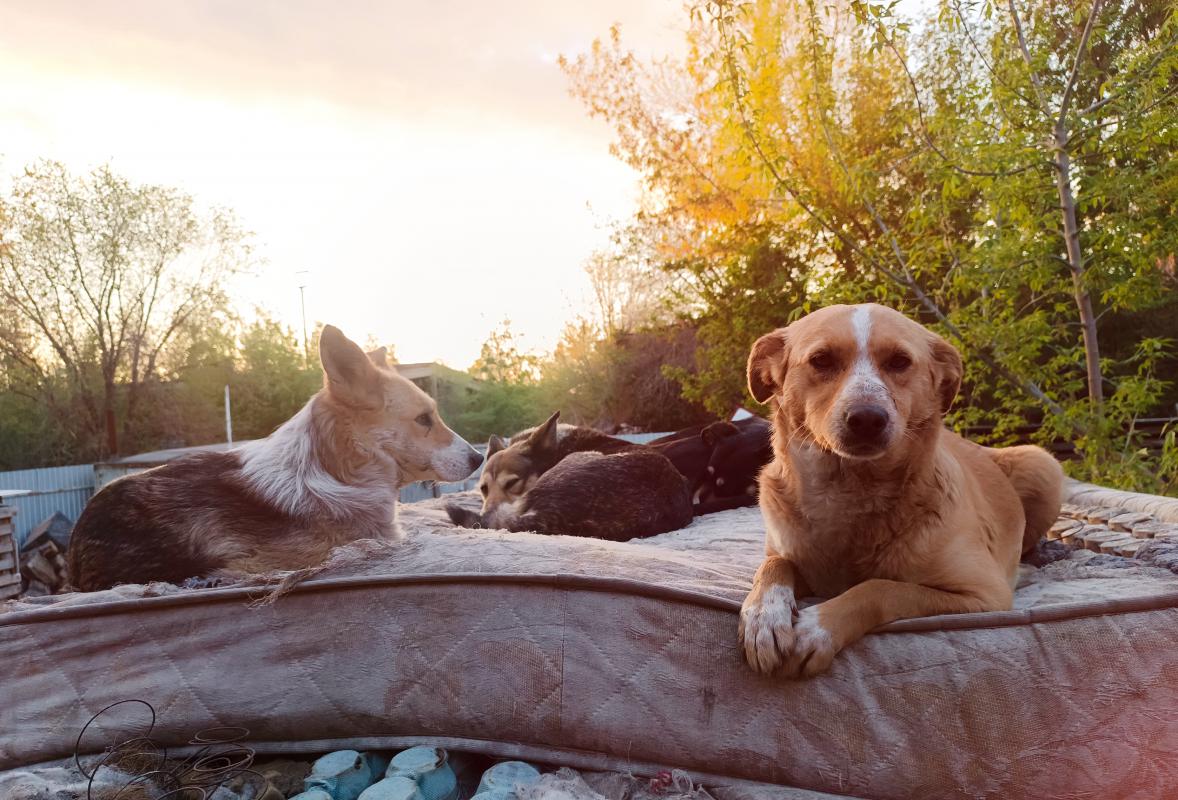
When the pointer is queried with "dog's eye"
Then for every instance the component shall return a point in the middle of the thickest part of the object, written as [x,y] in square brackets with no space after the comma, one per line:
[822,360]
[425,419]
[483,489]
[898,362]
[511,484]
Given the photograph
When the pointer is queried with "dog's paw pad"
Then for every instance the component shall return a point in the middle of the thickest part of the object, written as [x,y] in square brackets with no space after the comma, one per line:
[766,629]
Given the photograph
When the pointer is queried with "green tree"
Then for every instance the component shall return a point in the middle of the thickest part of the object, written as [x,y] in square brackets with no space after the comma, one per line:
[507,397]
[1006,175]
[98,277]
[271,382]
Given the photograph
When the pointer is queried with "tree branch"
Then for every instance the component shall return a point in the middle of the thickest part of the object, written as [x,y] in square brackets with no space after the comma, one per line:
[1070,86]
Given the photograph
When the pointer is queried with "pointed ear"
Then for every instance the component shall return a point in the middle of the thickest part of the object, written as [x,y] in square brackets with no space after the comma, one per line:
[947,371]
[348,375]
[767,362]
[495,444]
[717,431]
[544,437]
[379,356]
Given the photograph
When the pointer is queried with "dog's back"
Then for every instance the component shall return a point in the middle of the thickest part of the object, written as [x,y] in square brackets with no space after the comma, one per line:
[619,496]
[577,439]
[166,523]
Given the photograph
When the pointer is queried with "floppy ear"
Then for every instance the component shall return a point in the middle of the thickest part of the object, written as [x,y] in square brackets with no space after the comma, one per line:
[767,365]
[717,431]
[947,371]
[379,356]
[544,438]
[348,375]
[495,444]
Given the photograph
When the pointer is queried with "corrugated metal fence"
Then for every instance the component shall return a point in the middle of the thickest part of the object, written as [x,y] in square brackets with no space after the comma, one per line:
[64,489]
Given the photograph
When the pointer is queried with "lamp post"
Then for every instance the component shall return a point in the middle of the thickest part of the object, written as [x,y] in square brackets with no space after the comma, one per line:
[303,309]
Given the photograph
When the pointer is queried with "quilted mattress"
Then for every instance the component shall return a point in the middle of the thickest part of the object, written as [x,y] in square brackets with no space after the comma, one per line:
[622,656]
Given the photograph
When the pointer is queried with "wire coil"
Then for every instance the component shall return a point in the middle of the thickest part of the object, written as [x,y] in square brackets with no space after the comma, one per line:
[219,758]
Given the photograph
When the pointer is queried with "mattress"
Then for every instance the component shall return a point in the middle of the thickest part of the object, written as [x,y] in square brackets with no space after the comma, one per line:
[623,657]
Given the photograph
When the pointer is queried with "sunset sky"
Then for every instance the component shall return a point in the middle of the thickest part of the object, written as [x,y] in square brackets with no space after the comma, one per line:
[423,162]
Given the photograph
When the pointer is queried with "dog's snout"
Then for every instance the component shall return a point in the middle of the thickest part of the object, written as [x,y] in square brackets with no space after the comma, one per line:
[475,458]
[866,422]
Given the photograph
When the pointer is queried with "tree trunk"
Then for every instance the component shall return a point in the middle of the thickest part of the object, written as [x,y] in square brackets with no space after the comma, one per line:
[1063,178]
[112,436]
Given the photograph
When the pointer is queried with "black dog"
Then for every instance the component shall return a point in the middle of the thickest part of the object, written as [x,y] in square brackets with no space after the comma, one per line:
[720,461]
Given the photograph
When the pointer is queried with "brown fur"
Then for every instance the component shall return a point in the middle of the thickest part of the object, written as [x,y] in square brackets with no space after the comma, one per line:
[570,480]
[328,476]
[913,522]
[514,467]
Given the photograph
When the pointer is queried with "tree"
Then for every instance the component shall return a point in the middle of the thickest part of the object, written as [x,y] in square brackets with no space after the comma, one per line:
[507,398]
[270,382]
[502,361]
[98,278]
[863,161]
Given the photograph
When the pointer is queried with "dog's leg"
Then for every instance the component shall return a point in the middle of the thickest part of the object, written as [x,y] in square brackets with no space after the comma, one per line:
[1038,479]
[768,614]
[822,630]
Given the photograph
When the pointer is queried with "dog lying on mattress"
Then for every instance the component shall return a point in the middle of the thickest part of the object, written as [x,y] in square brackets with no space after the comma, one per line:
[328,476]
[870,500]
[564,479]
[720,461]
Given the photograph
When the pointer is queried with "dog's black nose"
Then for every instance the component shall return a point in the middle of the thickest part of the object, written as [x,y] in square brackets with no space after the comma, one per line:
[475,459]
[867,422]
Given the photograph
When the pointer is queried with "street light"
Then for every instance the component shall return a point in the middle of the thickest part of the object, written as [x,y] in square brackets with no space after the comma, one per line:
[303,308]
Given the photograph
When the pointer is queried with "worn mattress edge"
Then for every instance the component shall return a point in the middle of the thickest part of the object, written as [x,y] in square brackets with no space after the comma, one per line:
[261,594]
[1164,509]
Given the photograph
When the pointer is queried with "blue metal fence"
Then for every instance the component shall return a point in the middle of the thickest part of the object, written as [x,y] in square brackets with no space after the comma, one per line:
[64,489]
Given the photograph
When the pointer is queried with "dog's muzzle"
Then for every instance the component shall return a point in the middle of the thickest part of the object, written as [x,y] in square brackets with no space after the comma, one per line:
[456,462]
[866,429]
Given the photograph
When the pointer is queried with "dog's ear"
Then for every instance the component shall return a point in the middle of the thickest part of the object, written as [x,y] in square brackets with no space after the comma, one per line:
[767,365]
[717,431]
[348,375]
[495,444]
[543,439]
[379,356]
[947,370]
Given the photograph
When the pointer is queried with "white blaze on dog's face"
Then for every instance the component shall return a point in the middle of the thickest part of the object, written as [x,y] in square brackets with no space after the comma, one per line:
[389,416]
[513,469]
[855,379]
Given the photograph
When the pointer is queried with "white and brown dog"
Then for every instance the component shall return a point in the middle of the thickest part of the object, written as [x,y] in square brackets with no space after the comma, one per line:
[328,476]
[869,500]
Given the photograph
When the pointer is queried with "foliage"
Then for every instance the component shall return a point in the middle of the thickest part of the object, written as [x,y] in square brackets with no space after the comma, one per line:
[507,398]
[1007,178]
[99,279]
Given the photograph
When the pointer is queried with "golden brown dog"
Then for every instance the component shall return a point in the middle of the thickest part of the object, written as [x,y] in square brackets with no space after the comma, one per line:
[869,500]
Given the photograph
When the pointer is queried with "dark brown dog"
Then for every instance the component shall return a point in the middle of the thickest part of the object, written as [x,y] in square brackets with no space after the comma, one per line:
[569,480]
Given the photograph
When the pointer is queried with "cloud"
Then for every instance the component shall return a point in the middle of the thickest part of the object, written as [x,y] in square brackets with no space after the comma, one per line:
[423,162]
[421,59]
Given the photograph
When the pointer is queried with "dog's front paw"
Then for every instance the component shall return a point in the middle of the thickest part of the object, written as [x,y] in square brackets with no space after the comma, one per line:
[767,628]
[813,647]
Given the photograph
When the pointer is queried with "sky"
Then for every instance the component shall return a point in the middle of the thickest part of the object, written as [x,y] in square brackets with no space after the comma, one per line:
[419,167]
